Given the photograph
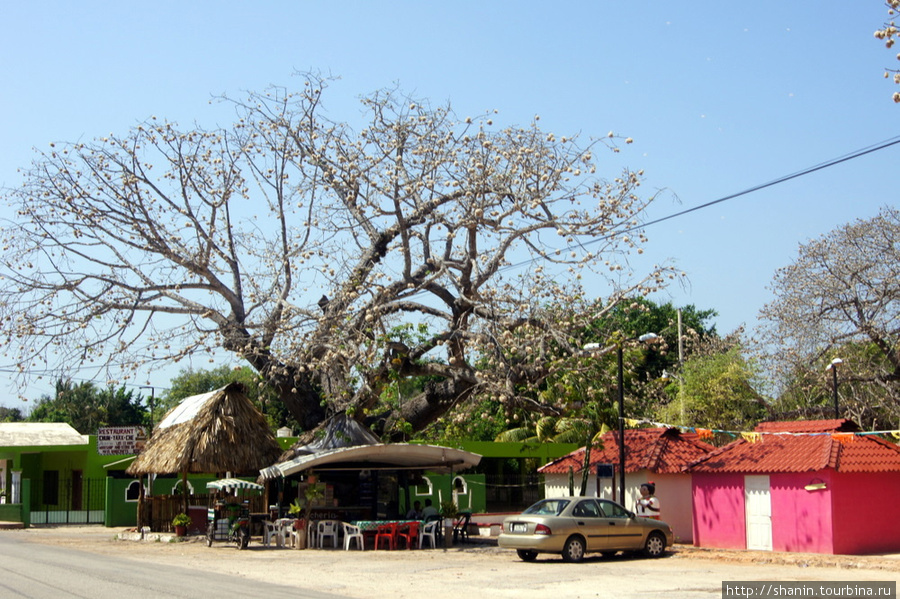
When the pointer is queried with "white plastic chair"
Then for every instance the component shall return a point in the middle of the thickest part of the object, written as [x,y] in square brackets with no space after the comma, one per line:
[327,528]
[285,531]
[270,531]
[350,533]
[429,531]
[311,535]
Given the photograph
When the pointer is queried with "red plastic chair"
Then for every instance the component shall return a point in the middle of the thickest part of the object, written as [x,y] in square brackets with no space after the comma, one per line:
[408,533]
[387,533]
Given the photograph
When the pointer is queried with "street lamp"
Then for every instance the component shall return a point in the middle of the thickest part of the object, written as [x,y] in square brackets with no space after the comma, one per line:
[833,368]
[646,337]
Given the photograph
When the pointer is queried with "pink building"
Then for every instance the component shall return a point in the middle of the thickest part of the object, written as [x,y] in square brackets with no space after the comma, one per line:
[651,454]
[807,486]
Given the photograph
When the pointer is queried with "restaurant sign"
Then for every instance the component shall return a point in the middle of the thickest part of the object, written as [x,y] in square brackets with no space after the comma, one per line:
[121,440]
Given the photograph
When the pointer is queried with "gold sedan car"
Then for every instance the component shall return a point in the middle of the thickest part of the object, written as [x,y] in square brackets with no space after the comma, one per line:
[574,526]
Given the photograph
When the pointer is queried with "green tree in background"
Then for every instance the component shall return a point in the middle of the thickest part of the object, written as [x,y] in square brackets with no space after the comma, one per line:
[87,408]
[11,414]
[577,399]
[715,389]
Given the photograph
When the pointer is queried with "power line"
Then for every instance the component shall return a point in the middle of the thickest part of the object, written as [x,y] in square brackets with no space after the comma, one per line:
[809,170]
[827,164]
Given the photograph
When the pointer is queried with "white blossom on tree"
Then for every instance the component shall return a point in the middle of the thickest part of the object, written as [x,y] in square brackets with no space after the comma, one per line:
[300,244]
[841,299]
[888,33]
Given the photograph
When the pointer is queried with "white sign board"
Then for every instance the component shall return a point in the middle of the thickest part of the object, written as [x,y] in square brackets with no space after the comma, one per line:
[120,440]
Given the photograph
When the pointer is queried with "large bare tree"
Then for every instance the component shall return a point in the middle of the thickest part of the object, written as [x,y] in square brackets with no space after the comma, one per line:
[841,299]
[301,244]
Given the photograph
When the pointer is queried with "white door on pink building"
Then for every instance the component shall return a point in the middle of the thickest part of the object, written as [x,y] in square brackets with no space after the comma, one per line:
[758,505]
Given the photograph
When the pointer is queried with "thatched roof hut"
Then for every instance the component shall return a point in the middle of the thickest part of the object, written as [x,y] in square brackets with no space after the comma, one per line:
[219,431]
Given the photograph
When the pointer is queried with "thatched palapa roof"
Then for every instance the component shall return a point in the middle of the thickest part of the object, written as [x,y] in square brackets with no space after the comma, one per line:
[219,431]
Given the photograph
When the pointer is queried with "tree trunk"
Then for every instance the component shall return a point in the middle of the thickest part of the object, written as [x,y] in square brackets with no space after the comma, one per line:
[428,406]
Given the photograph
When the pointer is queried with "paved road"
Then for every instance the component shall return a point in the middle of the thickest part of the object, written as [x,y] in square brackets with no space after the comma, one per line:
[133,570]
[35,571]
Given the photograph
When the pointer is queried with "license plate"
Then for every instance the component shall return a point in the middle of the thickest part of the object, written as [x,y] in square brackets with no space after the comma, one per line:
[518,527]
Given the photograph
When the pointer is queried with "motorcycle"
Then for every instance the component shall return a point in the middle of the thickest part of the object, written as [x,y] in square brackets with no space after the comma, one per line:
[228,518]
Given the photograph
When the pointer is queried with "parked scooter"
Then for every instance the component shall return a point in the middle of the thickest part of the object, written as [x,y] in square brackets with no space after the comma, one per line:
[228,517]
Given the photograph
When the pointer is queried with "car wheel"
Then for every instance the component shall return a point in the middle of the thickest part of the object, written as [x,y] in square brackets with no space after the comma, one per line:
[655,545]
[574,550]
[526,555]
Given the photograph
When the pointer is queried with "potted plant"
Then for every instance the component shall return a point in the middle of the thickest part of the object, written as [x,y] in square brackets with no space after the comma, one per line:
[304,505]
[181,522]
[295,509]
[448,511]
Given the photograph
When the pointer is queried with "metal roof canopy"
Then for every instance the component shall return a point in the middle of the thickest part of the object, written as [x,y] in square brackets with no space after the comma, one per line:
[398,456]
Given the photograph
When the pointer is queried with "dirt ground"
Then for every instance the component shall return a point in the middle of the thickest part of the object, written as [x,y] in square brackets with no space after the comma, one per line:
[475,570]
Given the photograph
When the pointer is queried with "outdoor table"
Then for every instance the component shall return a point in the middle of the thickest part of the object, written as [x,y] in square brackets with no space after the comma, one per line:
[372,525]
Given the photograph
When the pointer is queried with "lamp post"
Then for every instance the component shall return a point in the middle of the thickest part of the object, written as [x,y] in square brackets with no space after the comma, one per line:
[620,381]
[833,368]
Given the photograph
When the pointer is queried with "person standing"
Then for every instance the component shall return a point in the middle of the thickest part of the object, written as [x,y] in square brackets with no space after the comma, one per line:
[648,504]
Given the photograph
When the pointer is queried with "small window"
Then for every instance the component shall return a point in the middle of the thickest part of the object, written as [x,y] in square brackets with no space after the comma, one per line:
[586,509]
[548,507]
[133,492]
[178,488]
[424,488]
[614,510]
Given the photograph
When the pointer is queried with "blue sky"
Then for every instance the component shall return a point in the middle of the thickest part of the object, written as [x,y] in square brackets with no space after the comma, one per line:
[718,97]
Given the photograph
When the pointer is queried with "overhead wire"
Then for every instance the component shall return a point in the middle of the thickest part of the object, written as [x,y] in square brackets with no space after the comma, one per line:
[801,173]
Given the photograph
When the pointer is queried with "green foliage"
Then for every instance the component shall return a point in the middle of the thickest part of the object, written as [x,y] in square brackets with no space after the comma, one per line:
[715,391]
[480,420]
[87,408]
[11,414]
[304,504]
[582,389]
[181,519]
[449,509]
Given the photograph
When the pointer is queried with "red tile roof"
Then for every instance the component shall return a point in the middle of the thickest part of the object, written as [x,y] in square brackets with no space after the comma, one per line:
[826,444]
[808,426]
[658,450]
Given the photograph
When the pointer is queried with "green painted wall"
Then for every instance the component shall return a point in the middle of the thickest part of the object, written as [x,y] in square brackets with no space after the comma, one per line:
[33,461]
[472,499]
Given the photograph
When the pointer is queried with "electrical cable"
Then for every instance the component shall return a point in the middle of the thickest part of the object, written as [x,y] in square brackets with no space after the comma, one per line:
[809,170]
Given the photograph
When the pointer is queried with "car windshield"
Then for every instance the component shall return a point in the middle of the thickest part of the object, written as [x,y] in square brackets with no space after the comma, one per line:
[548,507]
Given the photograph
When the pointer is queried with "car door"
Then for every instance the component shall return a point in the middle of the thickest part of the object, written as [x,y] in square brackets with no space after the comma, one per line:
[589,521]
[623,532]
